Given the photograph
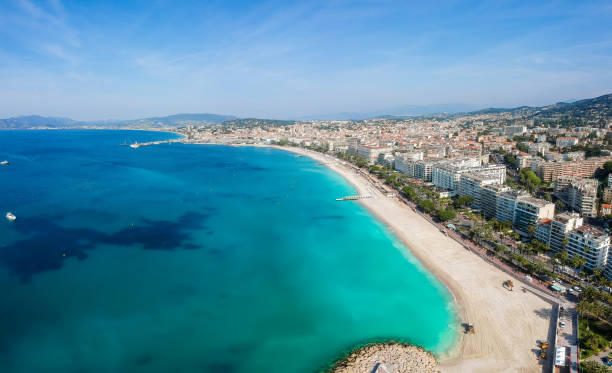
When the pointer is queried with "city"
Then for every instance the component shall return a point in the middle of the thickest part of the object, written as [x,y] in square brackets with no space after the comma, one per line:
[533,194]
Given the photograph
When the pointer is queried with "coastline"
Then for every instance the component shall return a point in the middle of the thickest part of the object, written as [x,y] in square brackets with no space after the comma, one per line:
[506,333]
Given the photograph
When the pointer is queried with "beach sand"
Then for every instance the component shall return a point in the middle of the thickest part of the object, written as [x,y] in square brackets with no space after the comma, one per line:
[508,324]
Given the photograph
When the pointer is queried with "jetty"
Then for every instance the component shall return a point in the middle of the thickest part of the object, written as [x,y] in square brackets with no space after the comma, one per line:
[136,145]
[352,198]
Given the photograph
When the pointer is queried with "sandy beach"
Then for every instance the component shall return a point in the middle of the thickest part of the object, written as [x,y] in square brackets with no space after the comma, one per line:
[508,324]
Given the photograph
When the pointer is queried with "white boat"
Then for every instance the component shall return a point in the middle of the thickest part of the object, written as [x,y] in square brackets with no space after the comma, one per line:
[10,216]
[4,163]
[134,145]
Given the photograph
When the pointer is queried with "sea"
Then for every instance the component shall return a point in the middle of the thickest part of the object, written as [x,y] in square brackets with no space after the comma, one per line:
[195,258]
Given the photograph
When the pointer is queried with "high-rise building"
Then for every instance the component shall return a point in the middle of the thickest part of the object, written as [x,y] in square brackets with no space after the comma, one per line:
[489,195]
[422,169]
[404,162]
[550,171]
[589,243]
[528,211]
[578,194]
[608,270]
[560,226]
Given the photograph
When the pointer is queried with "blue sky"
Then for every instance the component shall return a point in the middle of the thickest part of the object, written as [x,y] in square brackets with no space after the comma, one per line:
[119,59]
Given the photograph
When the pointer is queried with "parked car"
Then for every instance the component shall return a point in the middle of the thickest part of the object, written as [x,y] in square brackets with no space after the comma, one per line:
[562,324]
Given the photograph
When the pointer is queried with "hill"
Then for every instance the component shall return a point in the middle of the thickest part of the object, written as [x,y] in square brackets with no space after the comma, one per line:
[590,111]
[177,120]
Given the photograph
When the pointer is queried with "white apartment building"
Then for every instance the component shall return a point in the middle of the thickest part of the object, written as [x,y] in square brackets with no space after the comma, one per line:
[472,184]
[506,205]
[538,147]
[579,194]
[371,152]
[488,199]
[589,243]
[560,227]
[566,142]
[404,163]
[528,211]
[422,169]
[447,175]
[386,159]
[608,270]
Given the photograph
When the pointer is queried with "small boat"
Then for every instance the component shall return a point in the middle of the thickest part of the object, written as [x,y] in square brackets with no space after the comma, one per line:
[4,163]
[134,145]
[10,216]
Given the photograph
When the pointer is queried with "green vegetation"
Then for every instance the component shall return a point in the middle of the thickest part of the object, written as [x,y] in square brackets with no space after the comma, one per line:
[510,160]
[593,367]
[529,179]
[447,214]
[595,326]
[463,201]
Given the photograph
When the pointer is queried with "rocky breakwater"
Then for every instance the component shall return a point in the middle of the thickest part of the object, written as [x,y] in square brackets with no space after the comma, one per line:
[389,357]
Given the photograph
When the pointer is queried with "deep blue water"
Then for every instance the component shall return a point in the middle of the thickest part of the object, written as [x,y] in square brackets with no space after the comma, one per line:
[194,258]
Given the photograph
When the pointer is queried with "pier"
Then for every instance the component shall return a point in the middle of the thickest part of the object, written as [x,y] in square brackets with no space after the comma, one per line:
[352,198]
[138,145]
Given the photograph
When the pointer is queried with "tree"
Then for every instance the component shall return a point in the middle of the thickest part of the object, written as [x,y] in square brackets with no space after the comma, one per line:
[447,214]
[463,201]
[560,205]
[593,367]
[531,230]
[427,205]
[409,192]
[577,261]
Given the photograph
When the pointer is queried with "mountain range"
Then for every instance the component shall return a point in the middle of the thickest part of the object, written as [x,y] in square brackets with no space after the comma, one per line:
[593,109]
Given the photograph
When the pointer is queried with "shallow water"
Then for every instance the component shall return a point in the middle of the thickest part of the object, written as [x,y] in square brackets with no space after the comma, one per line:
[194,258]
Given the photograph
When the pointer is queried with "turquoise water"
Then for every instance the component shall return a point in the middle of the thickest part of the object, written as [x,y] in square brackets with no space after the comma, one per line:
[193,258]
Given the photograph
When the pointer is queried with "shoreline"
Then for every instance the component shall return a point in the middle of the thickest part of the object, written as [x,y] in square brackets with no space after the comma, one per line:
[508,324]
[505,333]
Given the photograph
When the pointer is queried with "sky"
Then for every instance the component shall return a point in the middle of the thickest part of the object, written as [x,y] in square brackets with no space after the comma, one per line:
[91,60]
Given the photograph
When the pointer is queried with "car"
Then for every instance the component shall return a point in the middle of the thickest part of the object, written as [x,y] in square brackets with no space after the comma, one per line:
[577,288]
[562,324]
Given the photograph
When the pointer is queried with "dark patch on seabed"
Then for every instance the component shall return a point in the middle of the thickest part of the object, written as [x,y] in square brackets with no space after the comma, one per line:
[49,244]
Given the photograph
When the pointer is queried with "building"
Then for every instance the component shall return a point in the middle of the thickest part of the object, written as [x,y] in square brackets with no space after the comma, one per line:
[488,199]
[447,175]
[560,226]
[370,153]
[422,170]
[528,211]
[550,171]
[472,184]
[538,147]
[566,142]
[578,194]
[506,205]
[607,195]
[608,270]
[574,156]
[606,209]
[542,231]
[404,162]
[515,130]
[386,159]
[589,243]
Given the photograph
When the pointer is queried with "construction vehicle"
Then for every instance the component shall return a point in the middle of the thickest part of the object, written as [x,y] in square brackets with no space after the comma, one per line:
[470,328]
[544,345]
[543,354]
[509,284]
